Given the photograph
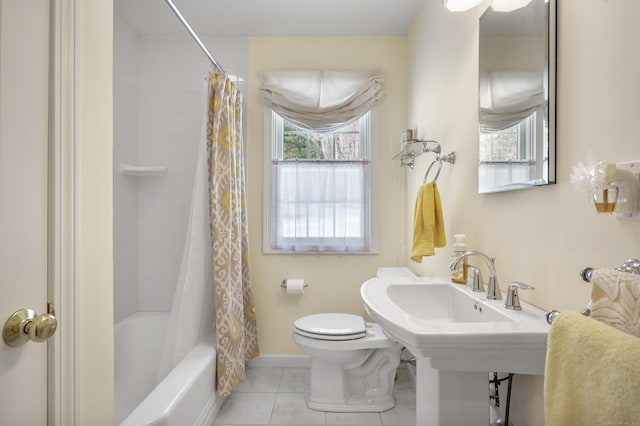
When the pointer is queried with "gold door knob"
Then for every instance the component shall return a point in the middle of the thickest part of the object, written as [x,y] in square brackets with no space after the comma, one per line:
[25,325]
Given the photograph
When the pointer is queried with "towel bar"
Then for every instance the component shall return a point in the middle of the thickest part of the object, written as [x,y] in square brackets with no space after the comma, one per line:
[586,274]
[551,315]
[629,265]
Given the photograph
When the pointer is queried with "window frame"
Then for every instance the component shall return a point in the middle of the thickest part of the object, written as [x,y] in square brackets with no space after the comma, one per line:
[531,147]
[369,153]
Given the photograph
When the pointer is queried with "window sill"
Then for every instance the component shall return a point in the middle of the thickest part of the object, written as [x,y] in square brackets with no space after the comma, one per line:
[338,253]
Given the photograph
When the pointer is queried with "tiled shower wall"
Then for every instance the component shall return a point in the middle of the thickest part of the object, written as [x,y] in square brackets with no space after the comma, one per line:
[160,96]
[125,189]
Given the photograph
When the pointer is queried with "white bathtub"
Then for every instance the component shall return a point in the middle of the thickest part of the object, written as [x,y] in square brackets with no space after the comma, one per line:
[185,397]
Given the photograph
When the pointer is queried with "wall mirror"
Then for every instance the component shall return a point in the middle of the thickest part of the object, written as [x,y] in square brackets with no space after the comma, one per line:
[517,74]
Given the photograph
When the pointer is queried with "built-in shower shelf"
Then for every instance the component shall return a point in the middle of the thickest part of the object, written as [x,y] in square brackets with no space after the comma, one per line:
[132,170]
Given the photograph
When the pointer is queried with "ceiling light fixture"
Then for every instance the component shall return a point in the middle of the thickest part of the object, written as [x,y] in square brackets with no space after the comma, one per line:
[508,5]
[460,5]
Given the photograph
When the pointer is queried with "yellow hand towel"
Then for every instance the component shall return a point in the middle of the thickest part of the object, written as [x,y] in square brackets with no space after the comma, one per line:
[592,374]
[615,300]
[428,223]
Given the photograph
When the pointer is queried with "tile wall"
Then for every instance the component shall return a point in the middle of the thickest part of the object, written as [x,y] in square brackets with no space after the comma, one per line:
[160,95]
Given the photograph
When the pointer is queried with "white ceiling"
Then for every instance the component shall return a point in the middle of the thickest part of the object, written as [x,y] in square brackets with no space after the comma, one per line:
[272,17]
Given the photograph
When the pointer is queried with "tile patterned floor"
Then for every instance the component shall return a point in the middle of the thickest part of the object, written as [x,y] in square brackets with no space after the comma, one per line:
[275,396]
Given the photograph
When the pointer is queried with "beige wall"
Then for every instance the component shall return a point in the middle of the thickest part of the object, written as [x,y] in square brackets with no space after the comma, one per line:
[94,229]
[334,280]
[512,53]
[542,236]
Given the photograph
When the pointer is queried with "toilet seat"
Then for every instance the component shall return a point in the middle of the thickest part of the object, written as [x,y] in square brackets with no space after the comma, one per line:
[331,326]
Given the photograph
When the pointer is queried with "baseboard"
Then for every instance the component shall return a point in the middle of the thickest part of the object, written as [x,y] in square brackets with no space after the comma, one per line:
[281,360]
[210,411]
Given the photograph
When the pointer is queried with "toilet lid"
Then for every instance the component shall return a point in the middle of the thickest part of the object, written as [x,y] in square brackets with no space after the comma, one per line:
[331,326]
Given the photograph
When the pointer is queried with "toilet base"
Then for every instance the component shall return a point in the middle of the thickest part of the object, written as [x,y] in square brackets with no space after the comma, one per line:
[355,404]
[355,375]
[364,384]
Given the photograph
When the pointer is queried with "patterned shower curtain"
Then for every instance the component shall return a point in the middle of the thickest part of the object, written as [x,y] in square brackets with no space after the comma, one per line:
[236,335]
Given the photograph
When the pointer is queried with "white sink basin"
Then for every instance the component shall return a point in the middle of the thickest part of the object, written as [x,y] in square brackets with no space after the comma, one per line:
[457,329]
[440,302]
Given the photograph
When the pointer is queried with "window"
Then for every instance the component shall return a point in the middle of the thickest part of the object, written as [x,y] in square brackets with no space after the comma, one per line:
[509,156]
[318,188]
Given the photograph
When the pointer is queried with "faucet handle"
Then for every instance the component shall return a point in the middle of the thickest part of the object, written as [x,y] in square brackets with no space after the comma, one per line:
[478,285]
[513,300]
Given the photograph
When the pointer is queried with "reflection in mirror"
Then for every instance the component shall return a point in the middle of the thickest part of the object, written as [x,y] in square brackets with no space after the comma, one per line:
[517,95]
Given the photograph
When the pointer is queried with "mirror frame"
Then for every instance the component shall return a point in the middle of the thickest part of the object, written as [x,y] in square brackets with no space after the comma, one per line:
[551,104]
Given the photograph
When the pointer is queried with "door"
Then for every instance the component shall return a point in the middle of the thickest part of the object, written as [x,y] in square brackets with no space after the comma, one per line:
[24,99]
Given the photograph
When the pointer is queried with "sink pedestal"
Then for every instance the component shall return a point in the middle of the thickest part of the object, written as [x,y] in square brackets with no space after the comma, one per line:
[450,398]
[457,337]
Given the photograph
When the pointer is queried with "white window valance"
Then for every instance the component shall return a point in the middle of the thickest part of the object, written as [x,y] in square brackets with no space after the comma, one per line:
[321,100]
[508,97]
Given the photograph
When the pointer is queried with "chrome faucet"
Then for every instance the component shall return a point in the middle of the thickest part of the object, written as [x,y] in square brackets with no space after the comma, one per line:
[493,288]
[478,285]
[513,299]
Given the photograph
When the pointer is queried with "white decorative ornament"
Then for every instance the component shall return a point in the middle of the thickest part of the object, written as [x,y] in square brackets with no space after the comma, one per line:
[590,176]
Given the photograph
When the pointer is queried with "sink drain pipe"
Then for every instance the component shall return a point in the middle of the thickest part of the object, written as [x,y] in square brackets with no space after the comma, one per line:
[496,394]
[408,358]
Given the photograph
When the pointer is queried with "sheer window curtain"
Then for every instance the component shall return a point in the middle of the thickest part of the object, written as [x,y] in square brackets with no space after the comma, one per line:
[321,205]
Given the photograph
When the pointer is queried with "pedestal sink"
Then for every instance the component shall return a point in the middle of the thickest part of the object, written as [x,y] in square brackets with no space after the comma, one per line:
[457,337]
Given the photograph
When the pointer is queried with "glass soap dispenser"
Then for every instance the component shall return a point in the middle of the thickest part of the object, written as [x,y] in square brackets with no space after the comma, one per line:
[459,274]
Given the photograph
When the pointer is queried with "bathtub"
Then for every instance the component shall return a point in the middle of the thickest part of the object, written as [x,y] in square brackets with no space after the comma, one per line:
[185,397]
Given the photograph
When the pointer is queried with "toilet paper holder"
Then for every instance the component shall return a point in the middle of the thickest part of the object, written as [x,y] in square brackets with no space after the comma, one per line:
[284,284]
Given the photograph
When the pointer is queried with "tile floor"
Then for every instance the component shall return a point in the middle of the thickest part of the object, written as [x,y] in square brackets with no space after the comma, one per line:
[275,396]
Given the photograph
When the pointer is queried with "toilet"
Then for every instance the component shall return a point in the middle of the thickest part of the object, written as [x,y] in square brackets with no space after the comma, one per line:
[353,362]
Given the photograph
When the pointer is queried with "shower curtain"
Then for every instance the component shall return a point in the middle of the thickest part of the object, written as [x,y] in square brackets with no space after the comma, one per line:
[236,335]
[214,285]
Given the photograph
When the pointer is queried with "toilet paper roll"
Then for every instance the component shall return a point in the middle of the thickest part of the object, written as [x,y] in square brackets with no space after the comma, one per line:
[294,286]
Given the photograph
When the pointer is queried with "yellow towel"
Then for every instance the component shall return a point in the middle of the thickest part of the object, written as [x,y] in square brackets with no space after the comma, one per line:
[615,300]
[428,223]
[592,374]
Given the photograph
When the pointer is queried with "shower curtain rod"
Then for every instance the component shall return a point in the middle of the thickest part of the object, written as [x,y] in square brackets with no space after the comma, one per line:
[193,34]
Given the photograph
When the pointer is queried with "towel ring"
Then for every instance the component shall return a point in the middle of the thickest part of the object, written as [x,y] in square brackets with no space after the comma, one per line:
[437,160]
